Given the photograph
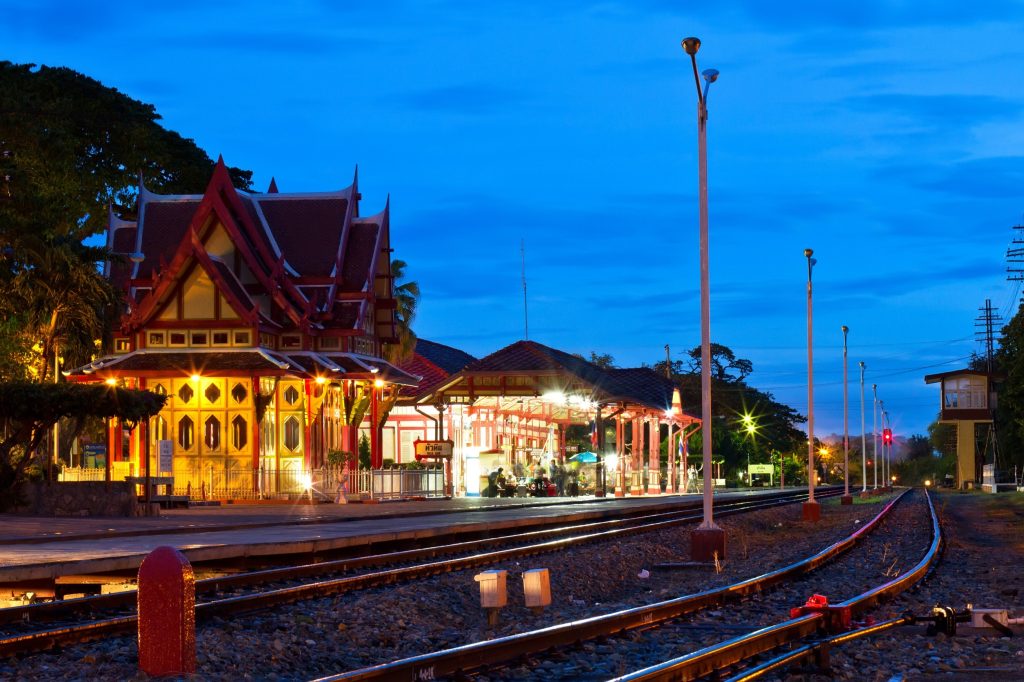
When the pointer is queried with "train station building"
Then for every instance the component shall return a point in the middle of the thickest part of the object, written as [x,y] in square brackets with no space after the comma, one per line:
[264,318]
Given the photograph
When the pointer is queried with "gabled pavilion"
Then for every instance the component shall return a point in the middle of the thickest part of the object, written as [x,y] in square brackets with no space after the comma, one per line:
[512,407]
[264,317]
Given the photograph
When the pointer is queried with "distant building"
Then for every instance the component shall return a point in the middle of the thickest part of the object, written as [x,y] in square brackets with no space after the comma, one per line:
[967,400]
[264,317]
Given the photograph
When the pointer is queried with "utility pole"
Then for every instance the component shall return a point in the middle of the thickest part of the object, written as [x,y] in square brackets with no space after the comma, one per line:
[986,325]
[526,312]
[668,363]
[1015,258]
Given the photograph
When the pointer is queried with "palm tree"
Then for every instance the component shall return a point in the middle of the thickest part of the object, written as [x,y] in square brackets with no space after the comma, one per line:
[406,298]
[59,296]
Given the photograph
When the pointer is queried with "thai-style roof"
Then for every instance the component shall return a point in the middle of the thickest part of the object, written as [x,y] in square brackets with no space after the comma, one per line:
[185,362]
[528,368]
[434,362]
[310,253]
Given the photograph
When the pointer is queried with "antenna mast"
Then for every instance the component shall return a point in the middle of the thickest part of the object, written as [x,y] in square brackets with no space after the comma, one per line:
[526,311]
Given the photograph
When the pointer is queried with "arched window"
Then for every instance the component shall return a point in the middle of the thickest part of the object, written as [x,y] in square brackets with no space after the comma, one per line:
[212,393]
[186,393]
[239,394]
[186,432]
[291,396]
[159,389]
[211,433]
[239,432]
[159,428]
[292,434]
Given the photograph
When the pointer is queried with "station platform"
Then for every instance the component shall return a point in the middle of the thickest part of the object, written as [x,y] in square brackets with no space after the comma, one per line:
[37,548]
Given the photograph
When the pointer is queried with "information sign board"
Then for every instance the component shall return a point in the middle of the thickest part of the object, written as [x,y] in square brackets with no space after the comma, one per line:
[761,468]
[165,459]
[433,449]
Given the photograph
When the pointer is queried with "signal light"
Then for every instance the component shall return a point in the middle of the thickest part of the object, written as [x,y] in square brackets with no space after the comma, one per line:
[887,436]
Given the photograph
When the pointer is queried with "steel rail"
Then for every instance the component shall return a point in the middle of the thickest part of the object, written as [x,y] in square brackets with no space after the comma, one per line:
[473,656]
[46,639]
[801,652]
[44,611]
[718,656]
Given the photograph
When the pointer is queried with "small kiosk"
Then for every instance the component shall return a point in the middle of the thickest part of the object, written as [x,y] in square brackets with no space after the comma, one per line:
[967,399]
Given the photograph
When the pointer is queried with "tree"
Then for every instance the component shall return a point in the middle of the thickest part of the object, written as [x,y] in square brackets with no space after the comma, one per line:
[28,412]
[1009,416]
[745,421]
[918,447]
[407,296]
[602,360]
[71,147]
[725,366]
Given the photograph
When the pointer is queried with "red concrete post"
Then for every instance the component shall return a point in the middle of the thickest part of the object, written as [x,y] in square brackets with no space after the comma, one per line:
[167,614]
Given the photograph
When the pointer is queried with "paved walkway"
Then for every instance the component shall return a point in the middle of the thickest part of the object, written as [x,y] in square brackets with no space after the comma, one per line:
[33,548]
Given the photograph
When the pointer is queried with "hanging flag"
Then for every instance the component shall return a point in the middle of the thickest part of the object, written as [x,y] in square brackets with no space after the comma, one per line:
[593,434]
[682,448]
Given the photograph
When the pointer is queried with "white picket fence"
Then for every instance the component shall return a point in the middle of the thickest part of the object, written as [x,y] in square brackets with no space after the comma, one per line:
[216,483]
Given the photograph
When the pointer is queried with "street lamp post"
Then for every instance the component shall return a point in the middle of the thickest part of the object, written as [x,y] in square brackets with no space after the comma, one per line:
[863,440]
[811,509]
[708,540]
[847,498]
[874,430]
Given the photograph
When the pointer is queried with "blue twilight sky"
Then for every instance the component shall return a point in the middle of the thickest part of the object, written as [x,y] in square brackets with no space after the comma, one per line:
[887,136]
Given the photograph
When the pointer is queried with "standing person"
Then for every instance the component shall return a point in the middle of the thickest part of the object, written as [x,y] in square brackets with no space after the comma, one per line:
[559,476]
[342,491]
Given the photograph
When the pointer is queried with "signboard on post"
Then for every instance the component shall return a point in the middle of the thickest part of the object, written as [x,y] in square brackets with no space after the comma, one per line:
[165,456]
[761,468]
[433,449]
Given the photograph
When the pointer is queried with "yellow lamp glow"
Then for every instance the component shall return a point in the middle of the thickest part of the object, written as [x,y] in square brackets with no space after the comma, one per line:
[378,383]
[111,381]
[195,377]
[321,380]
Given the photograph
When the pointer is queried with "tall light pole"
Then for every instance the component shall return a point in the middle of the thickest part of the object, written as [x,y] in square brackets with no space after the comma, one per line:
[708,539]
[863,440]
[874,430]
[811,509]
[847,498]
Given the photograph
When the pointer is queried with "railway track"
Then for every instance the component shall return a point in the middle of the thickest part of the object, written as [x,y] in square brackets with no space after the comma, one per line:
[491,655]
[21,624]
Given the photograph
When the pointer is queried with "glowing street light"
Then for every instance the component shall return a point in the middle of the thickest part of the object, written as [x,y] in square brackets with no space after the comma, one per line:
[708,539]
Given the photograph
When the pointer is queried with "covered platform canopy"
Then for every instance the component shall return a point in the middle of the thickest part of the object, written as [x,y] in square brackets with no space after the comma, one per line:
[530,381]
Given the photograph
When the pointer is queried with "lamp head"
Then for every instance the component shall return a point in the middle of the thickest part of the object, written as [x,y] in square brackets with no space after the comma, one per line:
[710,75]
[808,252]
[691,45]
[845,328]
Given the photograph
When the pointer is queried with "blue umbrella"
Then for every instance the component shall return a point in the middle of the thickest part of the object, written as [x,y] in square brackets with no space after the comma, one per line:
[584,458]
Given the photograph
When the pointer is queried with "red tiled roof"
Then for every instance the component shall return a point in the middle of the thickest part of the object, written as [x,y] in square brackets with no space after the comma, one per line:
[362,239]
[164,226]
[185,362]
[307,229]
[236,287]
[530,356]
[449,359]
[121,270]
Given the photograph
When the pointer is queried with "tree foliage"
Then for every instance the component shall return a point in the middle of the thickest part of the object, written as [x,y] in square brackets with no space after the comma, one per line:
[770,427]
[69,148]
[29,410]
[1009,361]
[407,295]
